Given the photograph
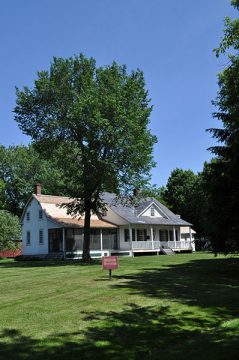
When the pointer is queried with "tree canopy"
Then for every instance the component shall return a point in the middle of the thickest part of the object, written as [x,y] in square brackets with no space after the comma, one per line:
[155,192]
[10,230]
[184,195]
[94,123]
[21,168]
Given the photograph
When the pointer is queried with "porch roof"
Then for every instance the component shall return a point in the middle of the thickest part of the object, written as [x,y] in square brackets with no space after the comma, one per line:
[52,207]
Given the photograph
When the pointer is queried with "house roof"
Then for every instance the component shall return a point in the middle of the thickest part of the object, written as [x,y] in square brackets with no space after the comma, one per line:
[51,206]
[80,223]
[130,212]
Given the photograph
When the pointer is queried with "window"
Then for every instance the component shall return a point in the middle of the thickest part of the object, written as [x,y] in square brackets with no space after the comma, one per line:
[185,236]
[142,235]
[41,237]
[28,242]
[153,234]
[171,238]
[28,216]
[163,235]
[152,211]
[40,214]
[126,235]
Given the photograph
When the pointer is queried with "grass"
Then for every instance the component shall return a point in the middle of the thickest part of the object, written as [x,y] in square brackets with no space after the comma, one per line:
[155,307]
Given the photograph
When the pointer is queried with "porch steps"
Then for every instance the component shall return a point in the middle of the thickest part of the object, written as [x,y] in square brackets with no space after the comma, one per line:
[167,251]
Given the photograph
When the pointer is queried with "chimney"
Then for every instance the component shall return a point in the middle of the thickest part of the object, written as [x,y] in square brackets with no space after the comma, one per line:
[37,189]
[136,192]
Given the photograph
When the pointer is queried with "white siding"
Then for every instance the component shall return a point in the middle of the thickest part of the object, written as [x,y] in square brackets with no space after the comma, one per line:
[157,212]
[112,217]
[186,230]
[33,226]
[124,245]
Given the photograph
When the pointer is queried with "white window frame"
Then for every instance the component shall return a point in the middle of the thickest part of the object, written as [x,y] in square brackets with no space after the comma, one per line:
[152,211]
[41,237]
[28,238]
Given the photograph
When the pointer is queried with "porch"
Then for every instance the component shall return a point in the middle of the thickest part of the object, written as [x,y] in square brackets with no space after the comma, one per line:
[121,241]
[177,246]
[69,242]
[155,238]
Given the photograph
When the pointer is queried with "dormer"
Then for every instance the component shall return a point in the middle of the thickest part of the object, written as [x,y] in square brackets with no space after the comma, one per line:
[153,211]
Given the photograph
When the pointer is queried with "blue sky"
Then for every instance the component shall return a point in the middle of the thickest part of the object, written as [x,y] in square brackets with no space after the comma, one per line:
[170,41]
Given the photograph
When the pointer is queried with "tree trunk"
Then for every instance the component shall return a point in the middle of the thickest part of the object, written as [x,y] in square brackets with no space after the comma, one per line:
[86,244]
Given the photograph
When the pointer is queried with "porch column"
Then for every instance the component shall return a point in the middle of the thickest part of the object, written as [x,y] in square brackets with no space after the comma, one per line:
[101,240]
[130,237]
[174,238]
[152,236]
[63,242]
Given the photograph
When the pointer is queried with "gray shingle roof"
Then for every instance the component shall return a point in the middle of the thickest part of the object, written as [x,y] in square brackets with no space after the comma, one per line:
[130,212]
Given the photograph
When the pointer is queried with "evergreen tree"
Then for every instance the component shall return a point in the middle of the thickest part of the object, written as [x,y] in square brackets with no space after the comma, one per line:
[223,176]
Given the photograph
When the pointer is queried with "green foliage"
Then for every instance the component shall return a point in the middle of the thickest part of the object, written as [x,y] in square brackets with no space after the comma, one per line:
[230,38]
[185,196]
[21,168]
[222,178]
[93,121]
[155,192]
[10,230]
[235,3]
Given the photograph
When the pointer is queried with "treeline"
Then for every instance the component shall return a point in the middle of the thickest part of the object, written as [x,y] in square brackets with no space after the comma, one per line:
[186,195]
[20,169]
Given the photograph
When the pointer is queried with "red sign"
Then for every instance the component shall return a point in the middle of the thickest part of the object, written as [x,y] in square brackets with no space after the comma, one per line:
[110,262]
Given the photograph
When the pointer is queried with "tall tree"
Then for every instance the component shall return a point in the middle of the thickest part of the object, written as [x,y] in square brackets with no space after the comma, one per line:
[223,181]
[20,169]
[93,121]
[184,195]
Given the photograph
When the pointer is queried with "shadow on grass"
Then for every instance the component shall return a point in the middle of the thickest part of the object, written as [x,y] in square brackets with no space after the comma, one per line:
[46,263]
[135,333]
[211,284]
[159,332]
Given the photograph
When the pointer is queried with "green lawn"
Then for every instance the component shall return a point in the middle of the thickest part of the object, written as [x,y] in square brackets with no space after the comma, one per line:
[156,307]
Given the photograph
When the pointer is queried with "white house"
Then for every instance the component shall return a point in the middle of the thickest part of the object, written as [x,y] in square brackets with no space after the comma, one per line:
[47,229]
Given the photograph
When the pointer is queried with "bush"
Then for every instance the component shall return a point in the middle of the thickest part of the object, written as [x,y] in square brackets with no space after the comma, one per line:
[10,230]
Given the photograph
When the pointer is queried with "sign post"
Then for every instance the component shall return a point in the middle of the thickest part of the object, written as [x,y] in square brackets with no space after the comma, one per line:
[109,263]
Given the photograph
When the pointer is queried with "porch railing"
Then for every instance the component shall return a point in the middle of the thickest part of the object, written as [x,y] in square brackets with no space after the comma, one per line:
[156,245]
[140,245]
